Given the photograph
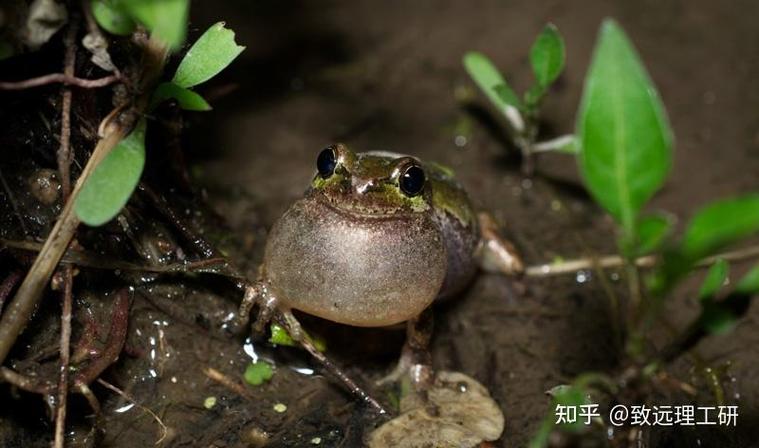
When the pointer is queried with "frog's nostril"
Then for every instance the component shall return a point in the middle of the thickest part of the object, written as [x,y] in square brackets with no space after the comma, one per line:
[362,186]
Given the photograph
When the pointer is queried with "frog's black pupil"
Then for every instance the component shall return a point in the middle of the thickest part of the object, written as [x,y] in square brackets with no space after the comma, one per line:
[326,162]
[412,180]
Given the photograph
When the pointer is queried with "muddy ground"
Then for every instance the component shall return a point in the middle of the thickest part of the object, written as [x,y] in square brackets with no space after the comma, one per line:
[387,75]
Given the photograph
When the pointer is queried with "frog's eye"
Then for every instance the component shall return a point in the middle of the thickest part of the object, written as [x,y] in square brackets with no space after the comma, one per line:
[326,162]
[412,180]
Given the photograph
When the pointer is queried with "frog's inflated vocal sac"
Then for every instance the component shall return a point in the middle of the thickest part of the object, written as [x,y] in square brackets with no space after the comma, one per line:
[375,240]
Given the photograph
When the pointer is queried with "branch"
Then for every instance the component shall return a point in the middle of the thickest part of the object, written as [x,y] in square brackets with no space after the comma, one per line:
[615,261]
[55,78]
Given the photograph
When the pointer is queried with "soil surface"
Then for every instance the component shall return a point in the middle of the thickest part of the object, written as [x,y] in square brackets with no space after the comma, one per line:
[388,76]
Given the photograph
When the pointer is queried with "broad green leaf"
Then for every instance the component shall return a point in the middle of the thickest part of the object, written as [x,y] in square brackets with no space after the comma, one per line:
[714,280]
[624,135]
[209,55]
[111,184]
[112,17]
[720,224]
[258,373]
[749,284]
[186,98]
[652,231]
[490,81]
[166,19]
[547,55]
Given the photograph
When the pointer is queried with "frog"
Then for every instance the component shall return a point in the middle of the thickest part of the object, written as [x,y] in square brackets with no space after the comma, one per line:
[376,239]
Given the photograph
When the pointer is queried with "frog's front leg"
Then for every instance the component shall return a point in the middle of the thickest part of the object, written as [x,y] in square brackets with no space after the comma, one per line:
[256,294]
[415,361]
[494,253]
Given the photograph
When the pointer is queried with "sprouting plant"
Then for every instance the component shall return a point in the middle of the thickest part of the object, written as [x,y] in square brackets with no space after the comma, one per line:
[113,181]
[547,61]
[623,145]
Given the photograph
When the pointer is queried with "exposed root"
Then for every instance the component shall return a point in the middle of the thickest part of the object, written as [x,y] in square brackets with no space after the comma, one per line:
[164,429]
[62,78]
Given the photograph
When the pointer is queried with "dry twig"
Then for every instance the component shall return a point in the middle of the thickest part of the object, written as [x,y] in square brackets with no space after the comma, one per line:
[55,78]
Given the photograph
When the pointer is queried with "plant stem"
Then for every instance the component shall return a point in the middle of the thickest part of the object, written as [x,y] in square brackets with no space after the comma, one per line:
[616,261]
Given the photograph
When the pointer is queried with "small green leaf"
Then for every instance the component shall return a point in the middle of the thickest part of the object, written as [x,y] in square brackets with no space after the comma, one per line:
[652,231]
[490,81]
[547,55]
[209,55]
[749,284]
[112,17]
[166,19]
[720,224]
[111,184]
[714,280]
[623,131]
[280,336]
[258,373]
[186,98]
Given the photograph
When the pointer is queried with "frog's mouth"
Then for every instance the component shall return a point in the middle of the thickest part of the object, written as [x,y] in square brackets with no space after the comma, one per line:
[348,205]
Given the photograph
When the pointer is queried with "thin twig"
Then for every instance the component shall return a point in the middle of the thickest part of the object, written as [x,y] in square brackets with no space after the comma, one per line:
[224,380]
[64,164]
[65,356]
[615,261]
[55,78]
[219,266]
[64,152]
[291,324]
[164,429]
[23,382]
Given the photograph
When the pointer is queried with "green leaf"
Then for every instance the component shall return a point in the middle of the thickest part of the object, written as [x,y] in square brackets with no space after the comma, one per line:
[749,284]
[258,373]
[490,81]
[280,336]
[111,184]
[652,231]
[714,280]
[623,131]
[506,95]
[166,19]
[547,55]
[186,98]
[112,17]
[209,55]
[720,224]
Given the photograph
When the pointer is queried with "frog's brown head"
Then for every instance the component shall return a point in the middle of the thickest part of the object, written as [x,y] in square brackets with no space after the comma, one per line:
[371,183]
[362,247]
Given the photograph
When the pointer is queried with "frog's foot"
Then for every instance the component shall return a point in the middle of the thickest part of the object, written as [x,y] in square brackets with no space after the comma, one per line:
[414,365]
[256,294]
[494,253]
[416,361]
